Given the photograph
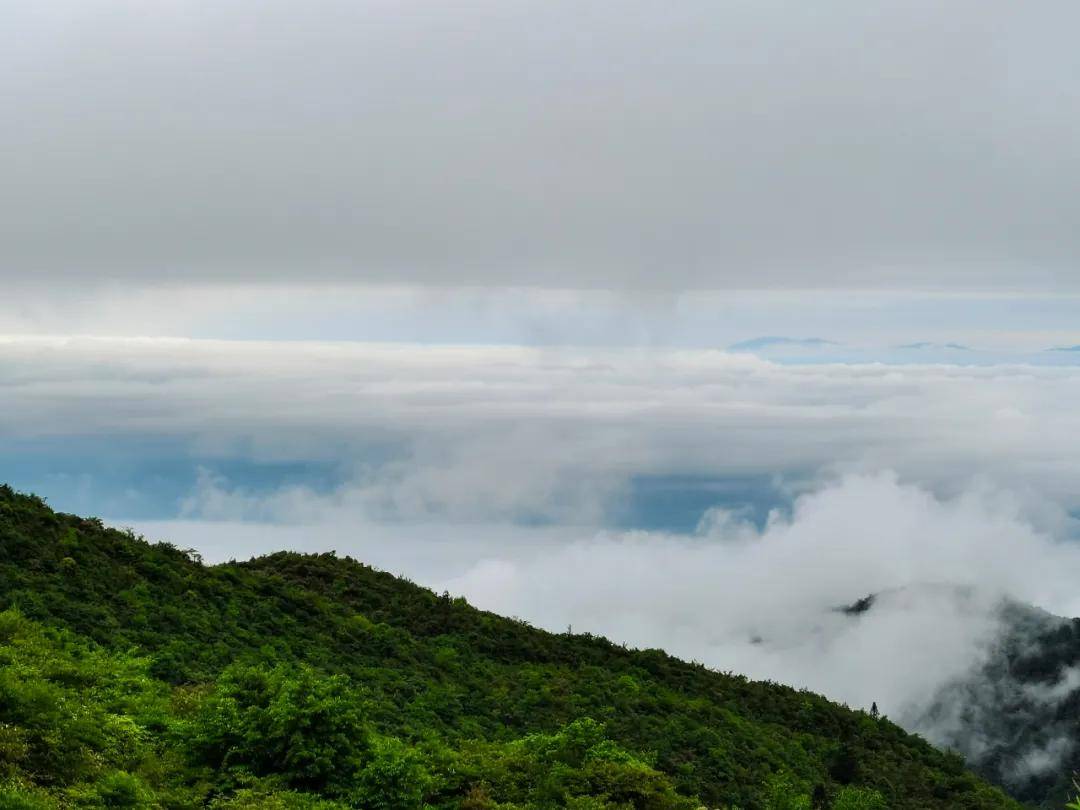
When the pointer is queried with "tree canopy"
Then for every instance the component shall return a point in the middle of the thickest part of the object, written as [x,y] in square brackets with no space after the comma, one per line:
[133,675]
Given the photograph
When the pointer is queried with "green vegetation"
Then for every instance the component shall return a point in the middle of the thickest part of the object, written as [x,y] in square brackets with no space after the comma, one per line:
[132,675]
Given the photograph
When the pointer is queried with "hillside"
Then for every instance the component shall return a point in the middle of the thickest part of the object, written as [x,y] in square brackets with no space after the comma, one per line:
[1012,715]
[133,675]
[1015,716]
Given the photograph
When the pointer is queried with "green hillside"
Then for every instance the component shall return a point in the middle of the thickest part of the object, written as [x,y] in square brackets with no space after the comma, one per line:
[133,675]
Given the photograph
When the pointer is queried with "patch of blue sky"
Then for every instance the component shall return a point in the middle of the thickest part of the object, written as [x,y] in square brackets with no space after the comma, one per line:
[677,503]
[142,478]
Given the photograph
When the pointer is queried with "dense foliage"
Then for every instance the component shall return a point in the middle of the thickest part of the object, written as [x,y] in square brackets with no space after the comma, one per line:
[133,675]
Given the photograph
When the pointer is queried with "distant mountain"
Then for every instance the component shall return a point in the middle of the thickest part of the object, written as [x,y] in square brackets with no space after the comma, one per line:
[774,342]
[132,675]
[925,344]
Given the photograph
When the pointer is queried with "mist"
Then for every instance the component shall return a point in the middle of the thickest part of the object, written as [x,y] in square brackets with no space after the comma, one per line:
[765,601]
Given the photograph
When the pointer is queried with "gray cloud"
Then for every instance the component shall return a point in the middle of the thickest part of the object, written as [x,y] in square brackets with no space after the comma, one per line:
[555,144]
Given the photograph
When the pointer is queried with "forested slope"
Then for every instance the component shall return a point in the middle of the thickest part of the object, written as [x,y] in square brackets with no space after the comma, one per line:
[133,675]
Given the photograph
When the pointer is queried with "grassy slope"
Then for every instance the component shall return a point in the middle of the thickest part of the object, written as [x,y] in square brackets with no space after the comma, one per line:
[436,668]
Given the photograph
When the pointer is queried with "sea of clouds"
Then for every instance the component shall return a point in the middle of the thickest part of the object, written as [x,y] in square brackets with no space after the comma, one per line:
[497,471]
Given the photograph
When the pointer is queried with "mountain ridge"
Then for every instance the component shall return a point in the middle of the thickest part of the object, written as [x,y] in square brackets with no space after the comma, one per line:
[440,679]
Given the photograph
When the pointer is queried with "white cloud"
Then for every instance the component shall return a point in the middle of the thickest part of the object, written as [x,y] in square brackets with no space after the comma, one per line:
[1039,761]
[709,597]
[763,602]
[503,432]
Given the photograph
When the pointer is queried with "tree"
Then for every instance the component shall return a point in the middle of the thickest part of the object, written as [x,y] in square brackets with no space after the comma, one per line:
[853,798]
[291,721]
[393,779]
[844,767]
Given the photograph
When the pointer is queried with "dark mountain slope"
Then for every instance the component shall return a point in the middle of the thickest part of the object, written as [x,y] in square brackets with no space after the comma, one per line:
[1017,715]
[438,675]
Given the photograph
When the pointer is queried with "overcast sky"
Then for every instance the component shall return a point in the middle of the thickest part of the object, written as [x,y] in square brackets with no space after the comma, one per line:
[561,144]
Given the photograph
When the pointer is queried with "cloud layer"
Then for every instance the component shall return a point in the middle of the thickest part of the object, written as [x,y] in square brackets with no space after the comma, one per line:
[626,145]
[475,433]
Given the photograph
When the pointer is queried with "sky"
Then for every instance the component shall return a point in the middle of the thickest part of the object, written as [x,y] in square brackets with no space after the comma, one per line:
[604,145]
[685,324]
